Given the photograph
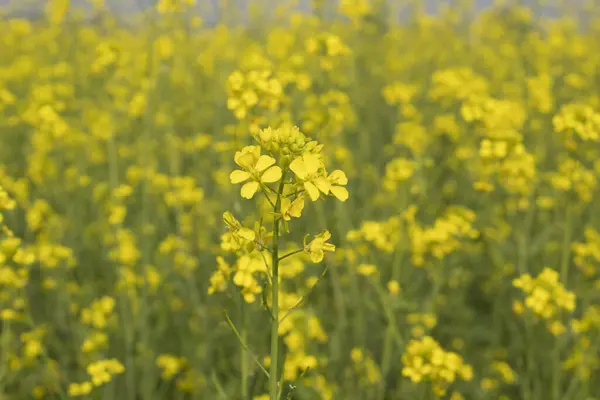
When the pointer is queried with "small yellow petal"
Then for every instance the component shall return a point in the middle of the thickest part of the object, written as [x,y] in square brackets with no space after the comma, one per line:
[340,192]
[249,189]
[312,163]
[247,234]
[239,176]
[271,175]
[232,103]
[297,167]
[338,177]
[323,185]
[297,207]
[264,162]
[312,190]
[317,256]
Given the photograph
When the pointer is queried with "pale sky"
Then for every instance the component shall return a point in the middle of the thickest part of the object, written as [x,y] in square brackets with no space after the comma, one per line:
[133,5]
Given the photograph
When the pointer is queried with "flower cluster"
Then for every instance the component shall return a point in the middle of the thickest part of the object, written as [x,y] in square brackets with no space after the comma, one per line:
[253,93]
[100,373]
[587,254]
[425,360]
[444,237]
[546,298]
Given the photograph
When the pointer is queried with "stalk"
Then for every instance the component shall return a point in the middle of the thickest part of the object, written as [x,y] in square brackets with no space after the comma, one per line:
[273,382]
[244,356]
[564,276]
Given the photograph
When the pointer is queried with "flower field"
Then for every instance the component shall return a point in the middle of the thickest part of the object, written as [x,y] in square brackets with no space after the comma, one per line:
[360,201]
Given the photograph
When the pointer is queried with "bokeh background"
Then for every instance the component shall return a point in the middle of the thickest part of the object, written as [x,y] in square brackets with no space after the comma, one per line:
[467,253]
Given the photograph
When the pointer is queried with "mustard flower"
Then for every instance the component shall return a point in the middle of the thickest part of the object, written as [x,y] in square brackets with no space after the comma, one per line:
[291,208]
[318,246]
[337,180]
[309,170]
[257,168]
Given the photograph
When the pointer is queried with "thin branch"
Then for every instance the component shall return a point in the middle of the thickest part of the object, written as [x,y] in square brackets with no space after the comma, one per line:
[267,195]
[293,387]
[267,266]
[295,193]
[292,309]
[290,254]
[218,386]
[264,300]
[271,189]
[232,326]
[262,246]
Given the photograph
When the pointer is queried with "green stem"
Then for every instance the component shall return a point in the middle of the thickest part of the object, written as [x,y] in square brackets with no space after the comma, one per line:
[124,300]
[273,382]
[529,383]
[564,276]
[244,356]
[391,330]
[566,245]
[4,346]
[290,254]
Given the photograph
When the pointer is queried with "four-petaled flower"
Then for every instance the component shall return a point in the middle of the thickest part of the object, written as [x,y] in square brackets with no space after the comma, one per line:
[309,170]
[318,246]
[256,168]
[337,180]
[291,208]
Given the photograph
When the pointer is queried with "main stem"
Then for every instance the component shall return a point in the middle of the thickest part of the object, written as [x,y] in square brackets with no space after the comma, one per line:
[564,276]
[244,355]
[273,381]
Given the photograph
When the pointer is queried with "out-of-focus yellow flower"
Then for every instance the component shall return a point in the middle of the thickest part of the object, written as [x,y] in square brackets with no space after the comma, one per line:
[546,297]
[80,389]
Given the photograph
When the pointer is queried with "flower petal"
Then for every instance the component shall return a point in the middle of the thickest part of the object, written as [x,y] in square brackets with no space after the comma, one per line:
[247,234]
[338,177]
[249,189]
[340,192]
[238,176]
[232,103]
[263,163]
[298,168]
[323,185]
[312,190]
[296,207]
[271,175]
[285,208]
[317,256]
[312,163]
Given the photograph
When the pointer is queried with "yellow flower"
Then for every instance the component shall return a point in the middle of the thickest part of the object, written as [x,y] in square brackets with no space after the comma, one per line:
[256,168]
[291,209]
[367,269]
[170,365]
[308,168]
[393,287]
[80,389]
[356,354]
[337,180]
[318,246]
